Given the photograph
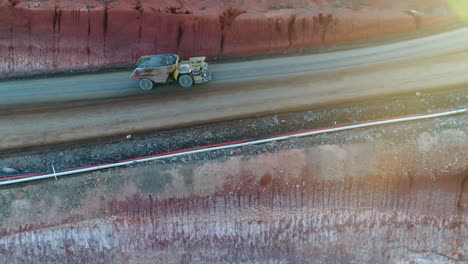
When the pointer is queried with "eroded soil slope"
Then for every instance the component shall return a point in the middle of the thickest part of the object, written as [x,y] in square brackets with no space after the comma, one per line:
[51,36]
[380,195]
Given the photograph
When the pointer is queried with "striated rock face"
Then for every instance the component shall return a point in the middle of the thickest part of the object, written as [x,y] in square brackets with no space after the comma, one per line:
[391,201]
[51,36]
[255,236]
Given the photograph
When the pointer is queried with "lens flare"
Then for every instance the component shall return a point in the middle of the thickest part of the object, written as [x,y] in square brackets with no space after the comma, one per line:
[460,7]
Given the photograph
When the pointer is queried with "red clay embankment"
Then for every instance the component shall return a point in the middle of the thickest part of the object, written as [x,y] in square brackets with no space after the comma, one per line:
[47,36]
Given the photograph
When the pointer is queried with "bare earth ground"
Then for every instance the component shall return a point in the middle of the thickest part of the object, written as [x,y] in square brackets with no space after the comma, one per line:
[116,148]
[391,194]
[326,79]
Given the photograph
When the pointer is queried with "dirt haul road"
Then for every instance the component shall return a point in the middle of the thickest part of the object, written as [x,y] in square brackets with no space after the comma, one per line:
[94,105]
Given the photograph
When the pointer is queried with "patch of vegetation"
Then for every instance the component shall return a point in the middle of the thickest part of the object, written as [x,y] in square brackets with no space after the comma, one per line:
[353,5]
[357,6]
[107,1]
[338,4]
[281,6]
[6,199]
[187,173]
[72,195]
[155,181]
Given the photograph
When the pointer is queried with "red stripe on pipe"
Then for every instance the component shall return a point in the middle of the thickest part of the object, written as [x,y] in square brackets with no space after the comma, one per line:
[187,150]
[22,176]
[84,167]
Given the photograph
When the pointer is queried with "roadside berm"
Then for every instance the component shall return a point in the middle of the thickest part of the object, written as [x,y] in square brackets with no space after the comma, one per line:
[39,37]
[389,194]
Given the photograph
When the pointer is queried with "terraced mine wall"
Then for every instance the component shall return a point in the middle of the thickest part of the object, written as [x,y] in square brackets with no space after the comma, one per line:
[56,36]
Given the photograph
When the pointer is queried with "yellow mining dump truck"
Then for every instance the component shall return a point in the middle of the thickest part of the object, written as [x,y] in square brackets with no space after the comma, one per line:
[164,68]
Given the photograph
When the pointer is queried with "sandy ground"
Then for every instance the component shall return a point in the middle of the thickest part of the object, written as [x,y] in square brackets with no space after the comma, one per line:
[117,148]
[412,66]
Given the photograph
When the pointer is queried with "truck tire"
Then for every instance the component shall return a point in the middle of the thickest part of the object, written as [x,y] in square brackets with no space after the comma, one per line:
[146,84]
[185,80]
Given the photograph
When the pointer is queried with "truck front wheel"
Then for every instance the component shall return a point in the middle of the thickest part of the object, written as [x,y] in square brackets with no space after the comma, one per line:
[146,84]
[185,80]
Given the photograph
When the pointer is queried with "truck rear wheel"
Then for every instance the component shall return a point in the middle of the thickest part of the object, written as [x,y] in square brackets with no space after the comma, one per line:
[185,80]
[146,84]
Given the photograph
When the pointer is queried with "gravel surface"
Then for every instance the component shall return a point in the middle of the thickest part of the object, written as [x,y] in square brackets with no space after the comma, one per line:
[131,146]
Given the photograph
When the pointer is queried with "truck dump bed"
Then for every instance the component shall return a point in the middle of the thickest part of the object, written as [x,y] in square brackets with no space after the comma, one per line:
[155,67]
